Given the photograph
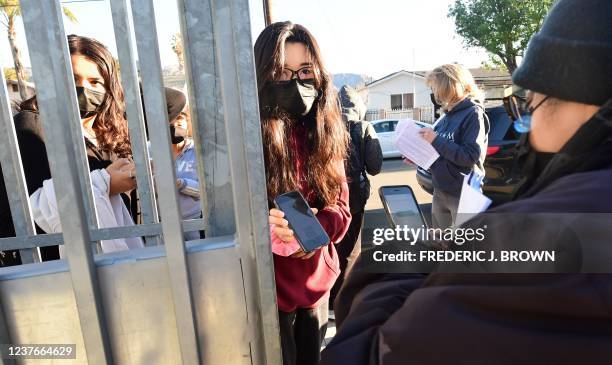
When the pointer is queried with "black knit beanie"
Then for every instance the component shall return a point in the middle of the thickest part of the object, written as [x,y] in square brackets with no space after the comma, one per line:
[570,58]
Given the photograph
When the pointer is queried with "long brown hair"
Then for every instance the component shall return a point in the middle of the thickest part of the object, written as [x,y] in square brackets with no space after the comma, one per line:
[327,137]
[110,125]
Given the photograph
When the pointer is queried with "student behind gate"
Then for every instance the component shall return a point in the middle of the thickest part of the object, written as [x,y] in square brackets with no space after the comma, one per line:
[101,105]
[184,154]
[305,144]
[460,137]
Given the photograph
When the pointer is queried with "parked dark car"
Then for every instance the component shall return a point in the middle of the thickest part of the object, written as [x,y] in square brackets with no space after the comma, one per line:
[500,178]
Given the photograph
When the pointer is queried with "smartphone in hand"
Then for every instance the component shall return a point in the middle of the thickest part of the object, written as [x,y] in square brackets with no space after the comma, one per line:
[308,231]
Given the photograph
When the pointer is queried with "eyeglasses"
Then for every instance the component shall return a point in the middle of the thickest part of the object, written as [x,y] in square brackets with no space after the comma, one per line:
[518,106]
[304,73]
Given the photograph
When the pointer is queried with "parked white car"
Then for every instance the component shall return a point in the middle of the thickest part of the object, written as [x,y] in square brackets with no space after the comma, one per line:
[385,129]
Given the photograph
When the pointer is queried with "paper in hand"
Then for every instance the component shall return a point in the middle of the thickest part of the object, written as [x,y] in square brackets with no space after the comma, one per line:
[472,200]
[413,146]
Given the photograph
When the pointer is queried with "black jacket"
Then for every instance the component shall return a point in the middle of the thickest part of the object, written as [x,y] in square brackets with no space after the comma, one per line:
[501,318]
[28,128]
[365,153]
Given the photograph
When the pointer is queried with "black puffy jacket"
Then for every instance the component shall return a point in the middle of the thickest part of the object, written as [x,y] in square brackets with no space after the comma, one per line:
[365,153]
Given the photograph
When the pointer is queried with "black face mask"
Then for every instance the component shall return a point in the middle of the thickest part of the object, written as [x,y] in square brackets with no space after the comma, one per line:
[434,101]
[177,135]
[89,101]
[294,97]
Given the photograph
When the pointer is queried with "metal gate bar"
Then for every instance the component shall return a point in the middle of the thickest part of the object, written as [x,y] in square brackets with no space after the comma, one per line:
[56,96]
[225,115]
[228,33]
[14,180]
[143,14]
[208,124]
[122,23]
[4,335]
[100,234]
[232,31]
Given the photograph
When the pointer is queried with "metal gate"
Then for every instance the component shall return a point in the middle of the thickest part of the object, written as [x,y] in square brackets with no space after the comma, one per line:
[208,301]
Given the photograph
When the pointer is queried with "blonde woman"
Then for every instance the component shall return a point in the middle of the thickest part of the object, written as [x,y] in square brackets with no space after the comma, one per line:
[460,138]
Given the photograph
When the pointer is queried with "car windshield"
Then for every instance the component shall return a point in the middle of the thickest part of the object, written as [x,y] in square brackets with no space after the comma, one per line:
[385,126]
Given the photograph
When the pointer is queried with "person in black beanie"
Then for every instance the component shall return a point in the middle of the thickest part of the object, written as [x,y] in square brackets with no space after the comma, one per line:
[563,201]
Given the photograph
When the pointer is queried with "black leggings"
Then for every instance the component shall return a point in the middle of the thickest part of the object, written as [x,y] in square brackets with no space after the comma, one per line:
[302,332]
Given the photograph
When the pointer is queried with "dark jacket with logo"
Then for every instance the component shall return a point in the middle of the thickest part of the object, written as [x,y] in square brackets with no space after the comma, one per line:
[472,318]
[462,144]
[29,131]
[365,153]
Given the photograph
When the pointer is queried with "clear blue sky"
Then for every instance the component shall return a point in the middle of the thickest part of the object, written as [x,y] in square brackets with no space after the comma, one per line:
[372,37]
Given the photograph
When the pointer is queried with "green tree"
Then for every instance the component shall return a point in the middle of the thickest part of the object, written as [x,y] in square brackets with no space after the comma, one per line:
[10,11]
[502,27]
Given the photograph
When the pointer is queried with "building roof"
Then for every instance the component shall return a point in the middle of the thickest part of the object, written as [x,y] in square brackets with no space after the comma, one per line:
[14,82]
[420,74]
[482,76]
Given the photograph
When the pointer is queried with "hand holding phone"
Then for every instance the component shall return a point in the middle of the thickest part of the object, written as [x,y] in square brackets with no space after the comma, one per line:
[281,225]
[300,221]
[282,232]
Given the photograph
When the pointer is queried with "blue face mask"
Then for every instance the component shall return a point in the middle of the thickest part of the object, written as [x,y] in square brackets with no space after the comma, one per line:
[522,124]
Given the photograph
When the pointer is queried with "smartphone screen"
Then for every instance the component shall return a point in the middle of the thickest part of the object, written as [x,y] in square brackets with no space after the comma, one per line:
[308,231]
[401,206]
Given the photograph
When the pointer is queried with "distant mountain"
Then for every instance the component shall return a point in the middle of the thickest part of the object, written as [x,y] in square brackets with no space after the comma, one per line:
[353,80]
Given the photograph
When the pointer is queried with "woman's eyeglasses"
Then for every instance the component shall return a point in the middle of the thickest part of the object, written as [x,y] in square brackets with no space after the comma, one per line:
[303,74]
[518,106]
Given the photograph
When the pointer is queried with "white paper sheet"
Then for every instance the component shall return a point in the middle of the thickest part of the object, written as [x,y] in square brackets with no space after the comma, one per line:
[413,146]
[472,200]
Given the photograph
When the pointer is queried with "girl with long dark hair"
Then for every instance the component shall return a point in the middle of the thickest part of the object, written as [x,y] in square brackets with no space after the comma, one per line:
[305,145]
[101,105]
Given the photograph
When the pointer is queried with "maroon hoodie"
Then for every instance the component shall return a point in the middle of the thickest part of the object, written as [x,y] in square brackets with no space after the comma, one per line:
[305,283]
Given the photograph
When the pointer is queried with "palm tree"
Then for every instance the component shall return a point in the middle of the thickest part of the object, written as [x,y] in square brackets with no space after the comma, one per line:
[10,10]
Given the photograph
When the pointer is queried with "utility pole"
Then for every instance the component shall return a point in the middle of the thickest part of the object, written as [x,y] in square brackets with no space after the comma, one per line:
[267,5]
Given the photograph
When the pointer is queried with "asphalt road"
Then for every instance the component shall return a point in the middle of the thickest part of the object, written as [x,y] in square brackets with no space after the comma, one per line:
[394,172]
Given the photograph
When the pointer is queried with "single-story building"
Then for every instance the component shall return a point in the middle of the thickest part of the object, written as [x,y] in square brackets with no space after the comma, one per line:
[405,93]
[397,91]
[13,92]
[13,89]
